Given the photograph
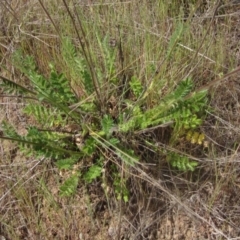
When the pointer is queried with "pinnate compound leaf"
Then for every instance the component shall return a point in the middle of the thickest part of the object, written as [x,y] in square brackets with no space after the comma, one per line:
[93,172]
[69,187]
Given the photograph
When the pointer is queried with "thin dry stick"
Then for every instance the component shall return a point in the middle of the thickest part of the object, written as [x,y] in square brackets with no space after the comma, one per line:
[86,51]
[204,37]
[50,18]
[31,35]
[144,176]
[9,8]
[11,188]
[208,85]
[208,29]
[180,44]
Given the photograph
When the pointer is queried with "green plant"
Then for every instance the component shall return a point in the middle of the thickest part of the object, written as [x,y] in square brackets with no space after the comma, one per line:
[54,105]
[136,86]
[149,48]
[93,172]
[76,66]
[120,187]
[185,111]
[70,185]
[182,163]
[183,108]
[50,100]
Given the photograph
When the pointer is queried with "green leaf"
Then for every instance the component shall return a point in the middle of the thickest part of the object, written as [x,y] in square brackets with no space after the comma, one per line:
[182,163]
[114,141]
[89,146]
[136,86]
[93,172]
[12,87]
[67,163]
[107,124]
[69,187]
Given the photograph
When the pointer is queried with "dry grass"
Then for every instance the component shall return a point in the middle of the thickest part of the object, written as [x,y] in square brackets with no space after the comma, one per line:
[164,204]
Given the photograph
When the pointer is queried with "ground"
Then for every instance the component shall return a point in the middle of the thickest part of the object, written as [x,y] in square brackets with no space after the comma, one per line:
[165,204]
